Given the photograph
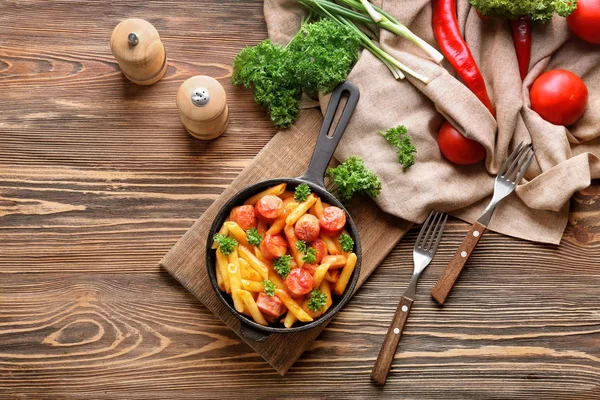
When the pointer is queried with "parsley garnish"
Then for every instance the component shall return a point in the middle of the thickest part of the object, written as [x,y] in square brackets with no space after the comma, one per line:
[537,10]
[253,237]
[269,287]
[317,59]
[301,246]
[310,253]
[282,265]
[346,242]
[317,300]
[311,256]
[353,177]
[399,138]
[301,193]
[226,244]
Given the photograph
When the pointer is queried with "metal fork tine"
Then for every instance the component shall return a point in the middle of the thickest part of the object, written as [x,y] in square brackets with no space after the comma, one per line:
[515,163]
[525,168]
[430,239]
[439,234]
[422,232]
[504,166]
[522,160]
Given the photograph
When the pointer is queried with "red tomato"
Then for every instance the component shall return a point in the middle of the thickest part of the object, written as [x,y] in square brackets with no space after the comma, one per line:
[457,148]
[559,96]
[299,282]
[273,246]
[321,248]
[270,207]
[332,221]
[307,228]
[585,20]
[244,217]
[270,305]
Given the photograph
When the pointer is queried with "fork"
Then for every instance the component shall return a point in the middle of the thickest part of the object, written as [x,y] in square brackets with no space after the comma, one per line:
[423,252]
[509,175]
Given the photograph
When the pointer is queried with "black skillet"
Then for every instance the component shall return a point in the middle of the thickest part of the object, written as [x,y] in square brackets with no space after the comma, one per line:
[314,177]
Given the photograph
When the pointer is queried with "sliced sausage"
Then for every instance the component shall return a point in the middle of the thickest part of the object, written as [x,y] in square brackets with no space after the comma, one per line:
[270,305]
[269,207]
[307,228]
[332,221]
[244,216]
[311,268]
[321,248]
[273,246]
[299,282]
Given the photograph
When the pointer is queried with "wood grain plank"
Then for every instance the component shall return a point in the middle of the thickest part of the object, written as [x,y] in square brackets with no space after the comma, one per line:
[98,179]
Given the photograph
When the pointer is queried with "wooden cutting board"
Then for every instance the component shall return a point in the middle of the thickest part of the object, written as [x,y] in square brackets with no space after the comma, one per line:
[286,155]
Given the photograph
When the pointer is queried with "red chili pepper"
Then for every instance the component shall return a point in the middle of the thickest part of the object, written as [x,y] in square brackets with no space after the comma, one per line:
[452,44]
[521,33]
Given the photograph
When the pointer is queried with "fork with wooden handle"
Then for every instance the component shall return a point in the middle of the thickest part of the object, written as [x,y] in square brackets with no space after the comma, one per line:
[423,252]
[509,175]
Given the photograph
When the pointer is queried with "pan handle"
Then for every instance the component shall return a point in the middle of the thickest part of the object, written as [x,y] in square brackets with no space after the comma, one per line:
[252,334]
[326,144]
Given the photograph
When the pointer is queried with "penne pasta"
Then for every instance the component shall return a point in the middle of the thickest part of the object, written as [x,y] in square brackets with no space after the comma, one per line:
[220,280]
[252,307]
[222,263]
[261,227]
[248,272]
[254,262]
[332,276]
[342,282]
[290,235]
[274,190]
[280,222]
[301,209]
[233,257]
[317,209]
[237,232]
[334,262]
[289,320]
[292,306]
[319,275]
[236,284]
[326,289]
[333,245]
[286,195]
[252,286]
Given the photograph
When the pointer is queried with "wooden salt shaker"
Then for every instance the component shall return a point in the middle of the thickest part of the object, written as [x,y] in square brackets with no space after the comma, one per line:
[202,105]
[140,53]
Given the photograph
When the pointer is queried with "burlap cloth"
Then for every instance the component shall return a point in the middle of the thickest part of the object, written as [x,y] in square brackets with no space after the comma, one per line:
[566,159]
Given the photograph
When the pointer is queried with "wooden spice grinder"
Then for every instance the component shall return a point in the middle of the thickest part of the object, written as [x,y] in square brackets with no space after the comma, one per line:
[140,53]
[202,105]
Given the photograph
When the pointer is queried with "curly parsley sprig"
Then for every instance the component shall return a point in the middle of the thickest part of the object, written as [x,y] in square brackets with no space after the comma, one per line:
[537,10]
[399,138]
[310,253]
[269,287]
[352,177]
[226,244]
[316,60]
[253,237]
[302,192]
[317,300]
[283,265]
[346,242]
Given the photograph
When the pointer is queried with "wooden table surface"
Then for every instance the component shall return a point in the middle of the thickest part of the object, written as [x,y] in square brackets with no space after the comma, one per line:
[98,179]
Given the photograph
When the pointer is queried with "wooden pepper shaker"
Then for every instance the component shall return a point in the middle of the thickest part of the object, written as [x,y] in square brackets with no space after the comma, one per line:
[140,53]
[202,105]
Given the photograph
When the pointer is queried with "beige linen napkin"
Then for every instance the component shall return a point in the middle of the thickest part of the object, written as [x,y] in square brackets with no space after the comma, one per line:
[566,159]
